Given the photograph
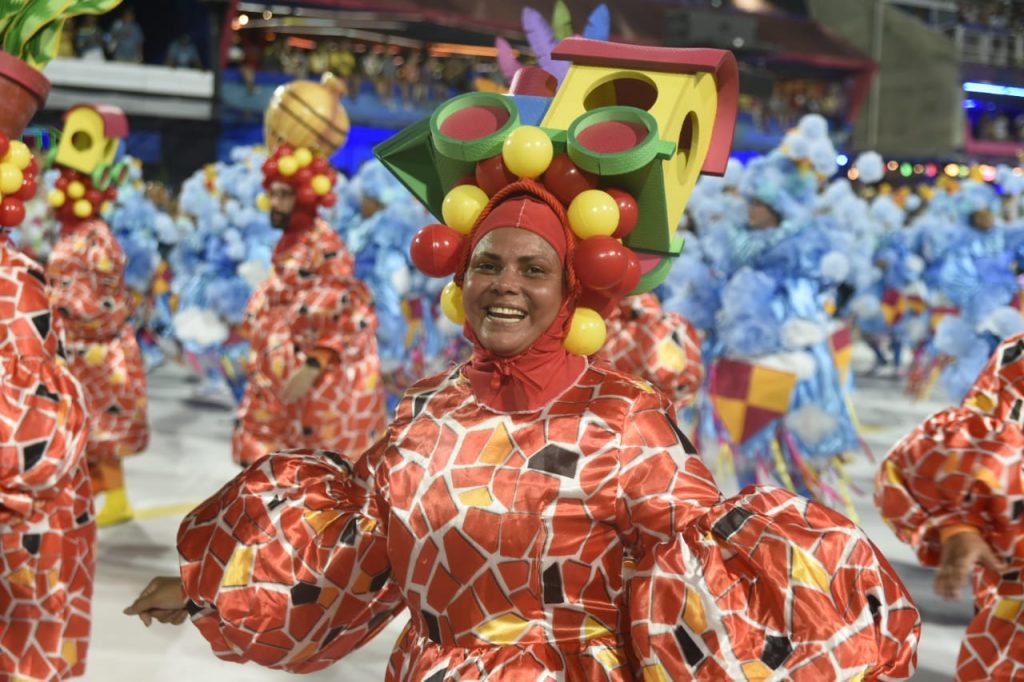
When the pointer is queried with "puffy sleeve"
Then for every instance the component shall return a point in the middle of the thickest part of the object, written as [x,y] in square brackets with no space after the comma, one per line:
[43,431]
[287,564]
[43,416]
[762,584]
[962,466]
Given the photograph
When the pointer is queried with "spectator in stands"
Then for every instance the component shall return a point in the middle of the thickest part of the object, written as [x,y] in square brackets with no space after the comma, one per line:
[388,77]
[433,76]
[342,63]
[125,38]
[372,64]
[410,80]
[182,54]
[89,39]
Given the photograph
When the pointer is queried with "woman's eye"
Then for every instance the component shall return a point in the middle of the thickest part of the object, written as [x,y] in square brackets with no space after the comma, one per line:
[485,267]
[535,270]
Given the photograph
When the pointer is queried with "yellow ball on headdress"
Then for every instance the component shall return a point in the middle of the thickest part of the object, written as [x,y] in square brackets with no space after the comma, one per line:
[76,190]
[593,213]
[462,206]
[287,166]
[527,152]
[56,198]
[451,303]
[18,153]
[10,178]
[83,208]
[587,332]
[303,157]
[321,185]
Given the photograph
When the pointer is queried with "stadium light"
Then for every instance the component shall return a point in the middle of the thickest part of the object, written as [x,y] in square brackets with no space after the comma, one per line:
[993,89]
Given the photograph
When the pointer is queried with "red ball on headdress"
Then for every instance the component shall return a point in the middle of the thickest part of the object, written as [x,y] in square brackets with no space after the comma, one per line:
[631,275]
[436,250]
[628,212]
[305,195]
[328,200]
[565,179]
[597,300]
[492,175]
[28,189]
[12,212]
[600,263]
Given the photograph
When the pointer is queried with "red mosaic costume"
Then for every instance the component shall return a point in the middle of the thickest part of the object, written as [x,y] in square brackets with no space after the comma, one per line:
[583,541]
[46,515]
[87,289]
[662,347]
[961,471]
[311,306]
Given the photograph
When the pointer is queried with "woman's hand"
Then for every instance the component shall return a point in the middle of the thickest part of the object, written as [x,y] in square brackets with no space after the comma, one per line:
[960,553]
[300,383]
[163,600]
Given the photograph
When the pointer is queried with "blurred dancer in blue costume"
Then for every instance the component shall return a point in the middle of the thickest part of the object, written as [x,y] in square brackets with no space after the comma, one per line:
[887,299]
[378,220]
[139,226]
[975,277]
[774,393]
[217,267]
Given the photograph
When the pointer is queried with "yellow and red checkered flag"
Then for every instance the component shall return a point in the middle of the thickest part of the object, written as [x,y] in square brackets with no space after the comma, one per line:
[892,306]
[939,312]
[1018,301]
[841,345]
[748,397]
[412,311]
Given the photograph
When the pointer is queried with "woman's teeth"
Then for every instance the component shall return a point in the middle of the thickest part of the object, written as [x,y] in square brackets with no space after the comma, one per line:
[503,313]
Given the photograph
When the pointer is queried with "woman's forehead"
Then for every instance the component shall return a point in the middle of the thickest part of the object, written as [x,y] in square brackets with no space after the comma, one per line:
[514,242]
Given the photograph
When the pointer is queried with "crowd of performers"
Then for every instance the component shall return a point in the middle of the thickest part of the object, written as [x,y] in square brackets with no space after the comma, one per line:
[295,296]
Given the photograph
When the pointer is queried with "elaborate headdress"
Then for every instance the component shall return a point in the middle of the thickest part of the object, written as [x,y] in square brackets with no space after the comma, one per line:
[304,124]
[614,152]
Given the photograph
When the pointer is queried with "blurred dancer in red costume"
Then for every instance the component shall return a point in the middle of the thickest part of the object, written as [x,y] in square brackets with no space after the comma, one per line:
[954,490]
[86,279]
[314,371]
[539,514]
[660,346]
[46,510]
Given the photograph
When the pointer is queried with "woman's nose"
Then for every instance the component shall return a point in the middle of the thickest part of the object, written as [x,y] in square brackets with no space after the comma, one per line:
[506,280]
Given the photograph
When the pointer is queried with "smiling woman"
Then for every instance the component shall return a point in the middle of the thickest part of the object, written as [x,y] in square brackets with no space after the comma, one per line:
[539,514]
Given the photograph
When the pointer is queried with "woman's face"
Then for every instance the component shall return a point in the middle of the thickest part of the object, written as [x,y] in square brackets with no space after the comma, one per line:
[513,289]
[983,220]
[760,216]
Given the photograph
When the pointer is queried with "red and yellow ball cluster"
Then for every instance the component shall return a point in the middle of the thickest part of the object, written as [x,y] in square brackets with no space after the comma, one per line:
[74,197]
[308,173]
[599,218]
[18,169]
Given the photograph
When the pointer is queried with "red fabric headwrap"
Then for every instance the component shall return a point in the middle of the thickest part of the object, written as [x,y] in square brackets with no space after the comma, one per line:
[530,380]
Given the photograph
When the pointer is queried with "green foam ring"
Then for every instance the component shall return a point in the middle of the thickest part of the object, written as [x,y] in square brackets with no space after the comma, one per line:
[618,163]
[104,176]
[653,278]
[479,149]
